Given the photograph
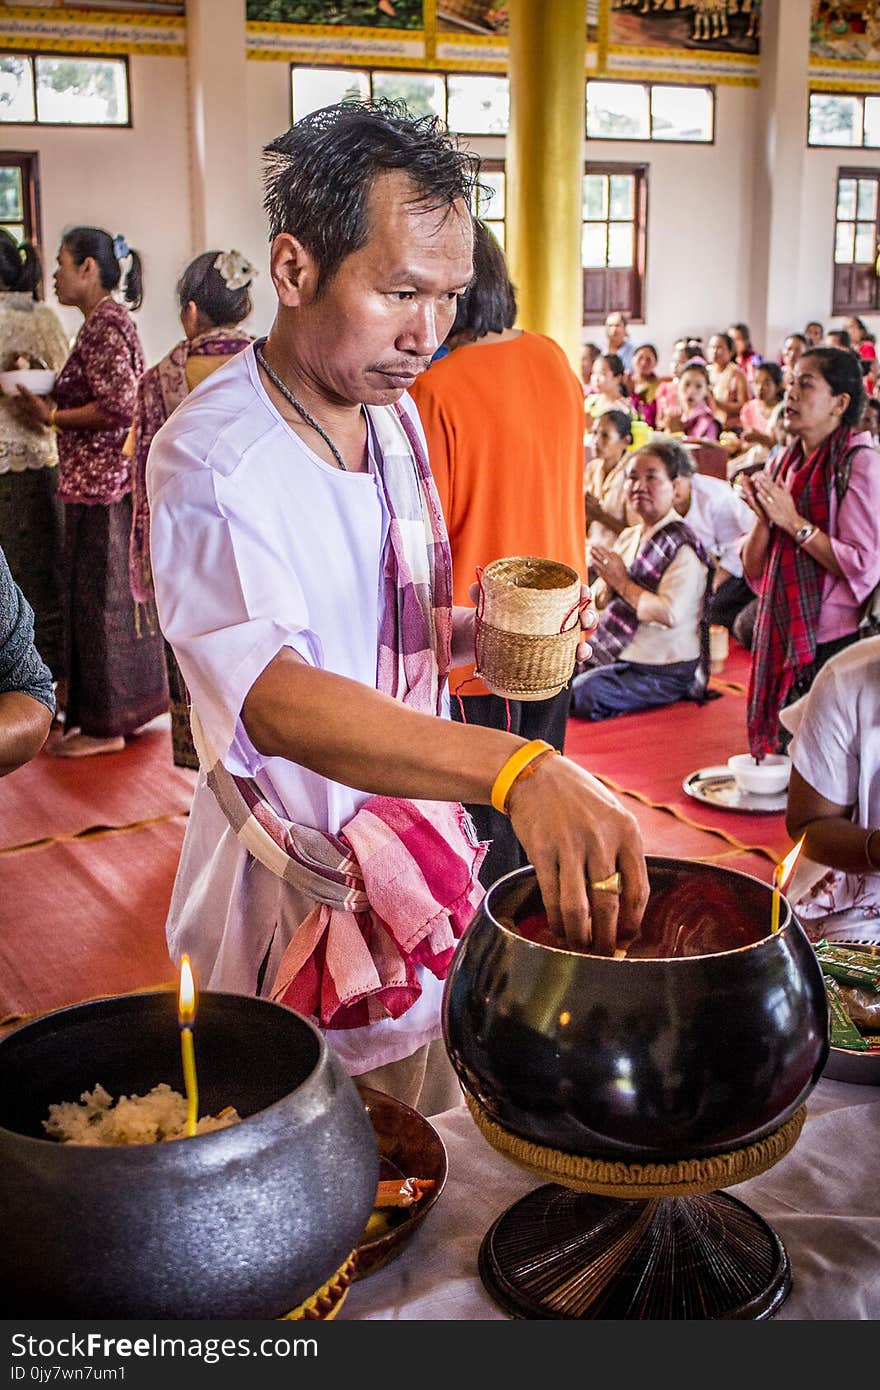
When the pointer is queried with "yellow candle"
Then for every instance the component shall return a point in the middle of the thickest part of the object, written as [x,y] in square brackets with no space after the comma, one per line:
[781,875]
[186,1012]
[188,1054]
[777,898]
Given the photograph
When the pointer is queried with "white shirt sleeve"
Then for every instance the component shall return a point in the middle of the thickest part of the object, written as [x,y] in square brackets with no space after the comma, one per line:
[228,600]
[825,748]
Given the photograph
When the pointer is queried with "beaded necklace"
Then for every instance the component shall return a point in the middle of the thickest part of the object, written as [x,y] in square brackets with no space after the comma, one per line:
[289,396]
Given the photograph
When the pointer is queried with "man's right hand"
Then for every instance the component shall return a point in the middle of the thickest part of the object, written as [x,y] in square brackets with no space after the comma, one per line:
[574,833]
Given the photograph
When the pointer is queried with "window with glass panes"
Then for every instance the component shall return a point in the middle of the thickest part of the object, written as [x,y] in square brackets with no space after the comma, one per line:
[19,195]
[63,89]
[613,237]
[856,241]
[844,118]
[650,111]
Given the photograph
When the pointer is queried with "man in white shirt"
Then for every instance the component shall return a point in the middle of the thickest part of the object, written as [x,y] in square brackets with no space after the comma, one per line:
[721,519]
[273,535]
[618,340]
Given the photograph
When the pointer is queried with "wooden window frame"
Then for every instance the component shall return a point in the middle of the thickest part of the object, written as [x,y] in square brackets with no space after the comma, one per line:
[89,57]
[635,311]
[859,271]
[28,161]
[650,138]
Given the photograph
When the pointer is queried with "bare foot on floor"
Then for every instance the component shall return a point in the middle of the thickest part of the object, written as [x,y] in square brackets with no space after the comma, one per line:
[77,745]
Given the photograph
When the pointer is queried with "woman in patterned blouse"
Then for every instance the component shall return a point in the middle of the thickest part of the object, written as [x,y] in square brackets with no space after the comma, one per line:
[116,669]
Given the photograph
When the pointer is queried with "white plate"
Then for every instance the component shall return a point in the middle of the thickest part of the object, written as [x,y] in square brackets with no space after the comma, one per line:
[716,786]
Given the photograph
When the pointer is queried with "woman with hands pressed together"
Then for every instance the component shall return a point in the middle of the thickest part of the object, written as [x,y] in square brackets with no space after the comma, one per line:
[813,553]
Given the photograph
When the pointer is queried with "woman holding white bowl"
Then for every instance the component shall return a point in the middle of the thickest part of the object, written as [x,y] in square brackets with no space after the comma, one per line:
[31,516]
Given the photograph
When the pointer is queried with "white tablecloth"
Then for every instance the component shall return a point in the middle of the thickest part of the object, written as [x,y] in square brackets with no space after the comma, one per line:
[821,1199]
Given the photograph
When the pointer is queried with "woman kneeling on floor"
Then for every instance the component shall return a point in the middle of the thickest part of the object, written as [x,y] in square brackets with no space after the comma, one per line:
[651,644]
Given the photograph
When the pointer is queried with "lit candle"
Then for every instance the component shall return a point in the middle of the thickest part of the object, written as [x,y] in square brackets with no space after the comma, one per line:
[781,875]
[186,1012]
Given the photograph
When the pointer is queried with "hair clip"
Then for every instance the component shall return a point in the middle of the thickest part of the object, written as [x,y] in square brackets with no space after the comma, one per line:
[120,248]
[235,270]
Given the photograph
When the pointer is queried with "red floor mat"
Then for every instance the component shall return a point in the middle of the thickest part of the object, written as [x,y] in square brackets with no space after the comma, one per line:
[651,753]
[665,834]
[51,797]
[86,917]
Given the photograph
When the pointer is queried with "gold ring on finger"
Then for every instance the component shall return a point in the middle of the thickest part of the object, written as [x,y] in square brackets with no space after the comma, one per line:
[612,884]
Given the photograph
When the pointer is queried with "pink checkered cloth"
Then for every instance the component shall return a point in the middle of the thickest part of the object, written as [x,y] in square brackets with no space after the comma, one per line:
[395,888]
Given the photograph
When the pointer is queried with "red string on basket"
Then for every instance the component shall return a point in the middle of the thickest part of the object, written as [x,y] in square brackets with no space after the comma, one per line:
[478,623]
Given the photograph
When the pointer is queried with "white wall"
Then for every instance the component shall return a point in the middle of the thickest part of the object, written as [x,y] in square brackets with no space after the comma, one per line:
[699,225]
[132,181]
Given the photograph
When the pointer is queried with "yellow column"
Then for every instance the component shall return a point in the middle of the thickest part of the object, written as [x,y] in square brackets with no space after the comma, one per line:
[545,145]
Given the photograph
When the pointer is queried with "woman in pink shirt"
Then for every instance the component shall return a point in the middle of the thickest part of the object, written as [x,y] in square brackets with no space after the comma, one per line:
[813,553]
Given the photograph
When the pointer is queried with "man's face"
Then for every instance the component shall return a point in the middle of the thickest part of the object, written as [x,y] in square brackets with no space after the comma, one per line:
[389,306]
[615,331]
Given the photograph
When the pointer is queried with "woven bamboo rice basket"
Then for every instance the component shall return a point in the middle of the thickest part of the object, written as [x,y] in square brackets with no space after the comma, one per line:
[528,626]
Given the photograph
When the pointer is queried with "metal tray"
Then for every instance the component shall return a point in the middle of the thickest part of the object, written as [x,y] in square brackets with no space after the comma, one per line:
[715,786]
[859,1068]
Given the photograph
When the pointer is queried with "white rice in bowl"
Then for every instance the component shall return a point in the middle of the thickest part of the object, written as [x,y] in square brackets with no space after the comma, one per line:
[149,1119]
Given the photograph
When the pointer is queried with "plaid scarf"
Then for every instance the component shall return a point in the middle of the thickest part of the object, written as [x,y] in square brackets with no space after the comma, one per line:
[160,392]
[784,642]
[619,621]
[398,885]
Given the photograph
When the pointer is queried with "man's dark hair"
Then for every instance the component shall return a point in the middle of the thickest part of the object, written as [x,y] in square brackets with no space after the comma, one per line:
[318,175]
[489,303]
[843,373]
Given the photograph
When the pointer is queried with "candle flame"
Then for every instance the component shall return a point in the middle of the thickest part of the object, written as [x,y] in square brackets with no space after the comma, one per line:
[186,995]
[783,871]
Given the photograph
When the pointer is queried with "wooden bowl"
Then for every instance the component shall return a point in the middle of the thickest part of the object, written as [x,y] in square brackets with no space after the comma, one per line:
[409,1147]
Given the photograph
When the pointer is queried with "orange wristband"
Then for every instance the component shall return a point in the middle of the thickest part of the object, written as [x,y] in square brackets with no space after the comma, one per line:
[519,764]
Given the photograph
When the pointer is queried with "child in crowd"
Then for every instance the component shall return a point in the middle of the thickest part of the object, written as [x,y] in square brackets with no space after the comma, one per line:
[608,388]
[695,419]
[646,383]
[605,481]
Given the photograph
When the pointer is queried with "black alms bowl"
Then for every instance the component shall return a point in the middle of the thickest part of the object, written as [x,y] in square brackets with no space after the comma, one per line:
[641,1060]
[244,1222]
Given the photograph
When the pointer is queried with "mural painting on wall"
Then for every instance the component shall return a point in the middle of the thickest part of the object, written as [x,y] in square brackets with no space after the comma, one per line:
[471,17]
[490,17]
[352,14]
[846,30]
[717,26]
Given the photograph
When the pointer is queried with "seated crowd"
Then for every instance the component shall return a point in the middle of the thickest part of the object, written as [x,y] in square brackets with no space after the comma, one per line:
[783,549]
